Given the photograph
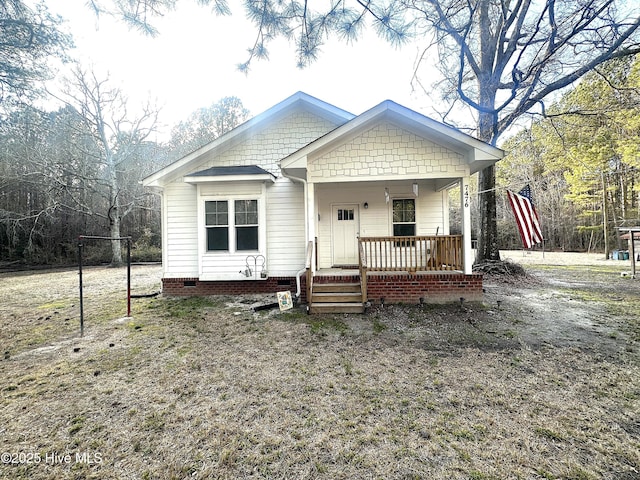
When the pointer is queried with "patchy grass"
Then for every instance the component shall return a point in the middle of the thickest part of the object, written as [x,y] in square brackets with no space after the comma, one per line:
[205,388]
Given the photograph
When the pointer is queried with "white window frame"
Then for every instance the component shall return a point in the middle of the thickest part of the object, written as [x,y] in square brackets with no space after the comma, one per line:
[231,225]
[245,225]
[208,227]
[226,264]
[415,214]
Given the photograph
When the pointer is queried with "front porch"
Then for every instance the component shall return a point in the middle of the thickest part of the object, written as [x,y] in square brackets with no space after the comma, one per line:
[395,269]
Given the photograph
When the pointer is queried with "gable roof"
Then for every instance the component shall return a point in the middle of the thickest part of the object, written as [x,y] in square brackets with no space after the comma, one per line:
[299,100]
[478,153]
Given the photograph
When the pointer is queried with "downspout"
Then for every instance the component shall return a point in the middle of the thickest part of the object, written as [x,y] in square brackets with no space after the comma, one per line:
[306,233]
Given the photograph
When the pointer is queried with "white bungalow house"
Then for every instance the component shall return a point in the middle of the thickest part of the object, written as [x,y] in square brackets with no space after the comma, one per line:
[342,209]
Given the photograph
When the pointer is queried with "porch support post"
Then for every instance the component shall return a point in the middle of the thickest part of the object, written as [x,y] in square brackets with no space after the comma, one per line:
[465,202]
[311,219]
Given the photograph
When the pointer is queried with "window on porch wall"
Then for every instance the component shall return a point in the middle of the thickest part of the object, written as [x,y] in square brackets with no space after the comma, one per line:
[404,217]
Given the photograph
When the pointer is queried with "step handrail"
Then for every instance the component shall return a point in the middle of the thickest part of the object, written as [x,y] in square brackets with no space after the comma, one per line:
[309,270]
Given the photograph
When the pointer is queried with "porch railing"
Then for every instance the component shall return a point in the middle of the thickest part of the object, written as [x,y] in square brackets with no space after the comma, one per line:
[308,265]
[411,254]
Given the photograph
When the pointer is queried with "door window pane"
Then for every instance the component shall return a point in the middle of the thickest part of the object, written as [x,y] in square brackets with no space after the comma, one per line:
[345,214]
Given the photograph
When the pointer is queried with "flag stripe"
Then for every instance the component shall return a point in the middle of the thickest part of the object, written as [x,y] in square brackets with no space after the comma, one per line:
[526,219]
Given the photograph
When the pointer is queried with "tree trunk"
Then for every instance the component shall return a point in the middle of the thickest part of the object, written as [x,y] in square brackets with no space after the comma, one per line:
[487,122]
[488,238]
[114,213]
[488,248]
[116,245]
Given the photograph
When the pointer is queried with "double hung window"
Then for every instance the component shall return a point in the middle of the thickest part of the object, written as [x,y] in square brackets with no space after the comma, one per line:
[404,217]
[232,225]
[246,225]
[217,224]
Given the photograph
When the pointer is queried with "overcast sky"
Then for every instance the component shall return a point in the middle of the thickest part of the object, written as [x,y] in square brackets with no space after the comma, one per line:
[193,61]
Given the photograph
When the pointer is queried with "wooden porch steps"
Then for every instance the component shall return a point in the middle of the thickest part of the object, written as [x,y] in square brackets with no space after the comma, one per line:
[336,298]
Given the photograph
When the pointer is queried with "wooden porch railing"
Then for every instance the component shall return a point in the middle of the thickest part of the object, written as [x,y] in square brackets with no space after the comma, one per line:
[410,254]
[362,261]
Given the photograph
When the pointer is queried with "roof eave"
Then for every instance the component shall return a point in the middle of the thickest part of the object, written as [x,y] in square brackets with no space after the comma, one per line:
[196,179]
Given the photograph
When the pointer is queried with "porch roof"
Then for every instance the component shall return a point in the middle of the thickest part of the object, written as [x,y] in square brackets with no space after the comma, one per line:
[478,154]
[229,174]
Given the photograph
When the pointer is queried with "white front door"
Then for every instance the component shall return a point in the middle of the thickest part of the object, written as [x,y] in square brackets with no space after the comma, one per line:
[345,226]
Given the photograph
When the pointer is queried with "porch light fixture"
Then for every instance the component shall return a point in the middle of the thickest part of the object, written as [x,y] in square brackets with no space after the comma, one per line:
[415,188]
[386,195]
[366,205]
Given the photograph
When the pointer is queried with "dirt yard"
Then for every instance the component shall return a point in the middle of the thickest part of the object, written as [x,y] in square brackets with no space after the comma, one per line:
[539,381]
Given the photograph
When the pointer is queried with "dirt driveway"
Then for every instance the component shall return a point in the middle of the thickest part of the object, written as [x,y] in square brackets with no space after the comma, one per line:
[570,299]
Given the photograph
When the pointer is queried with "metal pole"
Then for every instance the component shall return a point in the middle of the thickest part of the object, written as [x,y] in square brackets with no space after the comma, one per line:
[128,277]
[80,280]
[632,239]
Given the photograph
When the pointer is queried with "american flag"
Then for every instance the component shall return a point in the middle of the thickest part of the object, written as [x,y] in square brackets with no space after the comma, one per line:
[526,216]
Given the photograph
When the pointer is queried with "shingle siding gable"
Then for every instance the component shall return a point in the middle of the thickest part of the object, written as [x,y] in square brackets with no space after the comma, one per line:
[385,150]
[267,147]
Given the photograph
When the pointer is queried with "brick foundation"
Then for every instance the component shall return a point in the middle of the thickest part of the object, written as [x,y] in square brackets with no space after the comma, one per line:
[393,287]
[432,287]
[195,287]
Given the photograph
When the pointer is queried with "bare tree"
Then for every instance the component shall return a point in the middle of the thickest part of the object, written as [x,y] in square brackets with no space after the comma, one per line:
[501,58]
[206,124]
[115,139]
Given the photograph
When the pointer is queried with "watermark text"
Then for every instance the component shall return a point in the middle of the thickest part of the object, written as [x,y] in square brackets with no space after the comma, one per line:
[50,458]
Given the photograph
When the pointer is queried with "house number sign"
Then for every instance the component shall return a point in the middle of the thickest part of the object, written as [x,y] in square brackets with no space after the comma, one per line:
[466,196]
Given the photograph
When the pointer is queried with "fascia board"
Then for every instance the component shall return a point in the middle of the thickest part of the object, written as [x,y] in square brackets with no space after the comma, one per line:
[194,180]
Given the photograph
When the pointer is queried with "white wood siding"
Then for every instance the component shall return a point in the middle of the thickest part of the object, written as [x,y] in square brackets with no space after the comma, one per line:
[184,247]
[376,220]
[386,152]
[180,233]
[285,228]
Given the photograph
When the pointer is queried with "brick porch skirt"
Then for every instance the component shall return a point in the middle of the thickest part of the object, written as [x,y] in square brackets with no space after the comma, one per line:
[430,287]
[400,287]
